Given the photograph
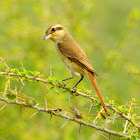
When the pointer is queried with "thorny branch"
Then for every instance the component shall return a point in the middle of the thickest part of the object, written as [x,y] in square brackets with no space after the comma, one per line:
[65,116]
[71,91]
[62,113]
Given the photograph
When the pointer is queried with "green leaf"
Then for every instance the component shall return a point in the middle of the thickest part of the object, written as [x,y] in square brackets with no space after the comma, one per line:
[31,102]
[11,95]
[98,107]
[88,91]
[15,70]
[133,138]
[120,108]
[30,73]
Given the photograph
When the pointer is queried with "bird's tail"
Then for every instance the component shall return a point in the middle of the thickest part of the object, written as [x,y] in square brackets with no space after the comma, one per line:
[93,81]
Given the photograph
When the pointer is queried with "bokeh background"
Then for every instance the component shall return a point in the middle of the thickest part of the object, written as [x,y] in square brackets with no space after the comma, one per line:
[109,33]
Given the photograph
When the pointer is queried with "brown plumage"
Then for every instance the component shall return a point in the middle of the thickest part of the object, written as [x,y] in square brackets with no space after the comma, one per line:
[73,56]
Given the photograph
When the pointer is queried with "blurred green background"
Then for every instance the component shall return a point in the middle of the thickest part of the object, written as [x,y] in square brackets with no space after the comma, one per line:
[109,33]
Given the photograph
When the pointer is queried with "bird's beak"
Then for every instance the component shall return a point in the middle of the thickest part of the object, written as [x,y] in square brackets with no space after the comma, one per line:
[47,36]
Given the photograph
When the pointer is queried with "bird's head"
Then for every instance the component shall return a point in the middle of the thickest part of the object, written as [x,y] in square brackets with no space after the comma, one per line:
[55,32]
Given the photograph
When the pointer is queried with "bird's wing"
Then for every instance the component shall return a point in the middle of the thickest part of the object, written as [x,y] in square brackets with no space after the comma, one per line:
[75,54]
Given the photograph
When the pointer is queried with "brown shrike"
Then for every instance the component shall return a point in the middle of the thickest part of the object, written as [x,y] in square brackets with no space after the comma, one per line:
[73,56]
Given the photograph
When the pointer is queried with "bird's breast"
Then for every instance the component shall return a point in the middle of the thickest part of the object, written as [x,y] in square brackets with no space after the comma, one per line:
[60,54]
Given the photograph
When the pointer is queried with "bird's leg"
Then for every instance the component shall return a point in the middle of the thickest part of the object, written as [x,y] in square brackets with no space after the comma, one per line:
[68,78]
[78,82]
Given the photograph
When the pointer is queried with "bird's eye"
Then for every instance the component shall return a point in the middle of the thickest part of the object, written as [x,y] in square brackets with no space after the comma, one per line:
[53,29]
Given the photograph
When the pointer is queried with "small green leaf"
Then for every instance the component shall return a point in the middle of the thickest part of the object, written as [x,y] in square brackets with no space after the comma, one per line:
[23,73]
[11,95]
[133,138]
[88,91]
[30,73]
[120,108]
[15,70]
[31,102]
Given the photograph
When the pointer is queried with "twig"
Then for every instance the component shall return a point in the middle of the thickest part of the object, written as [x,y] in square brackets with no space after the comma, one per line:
[75,92]
[66,117]
[124,116]
[125,126]
[52,83]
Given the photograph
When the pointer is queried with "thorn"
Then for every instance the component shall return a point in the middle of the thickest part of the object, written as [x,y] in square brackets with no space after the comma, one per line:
[50,117]
[84,89]
[70,96]
[114,117]
[90,107]
[48,90]
[10,68]
[4,62]
[22,105]
[16,93]
[46,105]
[94,122]
[21,62]
[8,82]
[46,86]
[105,124]
[50,71]
[80,127]
[125,107]
[21,111]
[21,80]
[64,124]
[37,75]
[34,114]
[4,106]
[37,105]
[65,113]
[22,87]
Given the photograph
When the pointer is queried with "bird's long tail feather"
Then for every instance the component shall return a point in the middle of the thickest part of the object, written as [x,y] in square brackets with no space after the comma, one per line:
[93,81]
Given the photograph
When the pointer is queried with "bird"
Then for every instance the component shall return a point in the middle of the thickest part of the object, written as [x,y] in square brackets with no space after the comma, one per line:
[74,57]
